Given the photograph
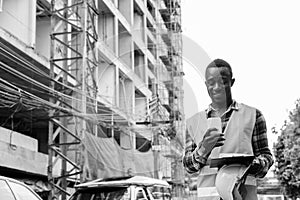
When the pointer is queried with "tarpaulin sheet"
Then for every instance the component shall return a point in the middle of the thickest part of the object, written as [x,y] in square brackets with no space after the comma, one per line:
[144,163]
[103,157]
[138,163]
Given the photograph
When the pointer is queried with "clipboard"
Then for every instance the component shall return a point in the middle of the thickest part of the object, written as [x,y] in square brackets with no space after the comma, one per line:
[234,159]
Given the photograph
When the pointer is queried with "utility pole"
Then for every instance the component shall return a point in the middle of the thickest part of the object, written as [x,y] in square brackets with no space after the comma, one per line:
[156,154]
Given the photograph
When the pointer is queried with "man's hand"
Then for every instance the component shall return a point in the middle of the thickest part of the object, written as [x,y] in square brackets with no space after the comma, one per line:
[212,138]
[259,167]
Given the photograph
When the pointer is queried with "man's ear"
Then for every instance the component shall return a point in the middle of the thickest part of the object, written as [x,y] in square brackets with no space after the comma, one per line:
[232,81]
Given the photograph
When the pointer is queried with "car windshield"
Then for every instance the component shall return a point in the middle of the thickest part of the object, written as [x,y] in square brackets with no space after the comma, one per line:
[160,193]
[111,193]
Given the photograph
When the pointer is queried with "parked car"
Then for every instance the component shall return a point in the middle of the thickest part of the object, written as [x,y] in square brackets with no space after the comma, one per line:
[11,189]
[160,193]
[122,188]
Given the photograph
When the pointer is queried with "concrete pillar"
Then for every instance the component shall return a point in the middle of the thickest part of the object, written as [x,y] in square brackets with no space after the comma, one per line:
[126,8]
[140,108]
[139,65]
[18,18]
[107,81]
[106,30]
[125,47]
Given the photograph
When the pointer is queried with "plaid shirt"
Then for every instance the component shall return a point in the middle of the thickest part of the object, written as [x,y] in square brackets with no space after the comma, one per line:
[193,161]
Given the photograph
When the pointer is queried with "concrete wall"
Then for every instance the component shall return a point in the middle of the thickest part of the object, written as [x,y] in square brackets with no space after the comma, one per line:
[126,95]
[20,152]
[106,26]
[107,82]
[18,18]
[140,108]
[23,159]
[18,140]
[43,29]
[138,26]
[126,8]
[125,48]
[139,66]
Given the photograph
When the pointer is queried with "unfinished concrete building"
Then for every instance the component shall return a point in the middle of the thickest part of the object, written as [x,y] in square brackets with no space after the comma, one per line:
[90,89]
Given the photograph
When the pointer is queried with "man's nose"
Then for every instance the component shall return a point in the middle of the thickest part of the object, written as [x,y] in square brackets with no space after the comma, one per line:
[218,85]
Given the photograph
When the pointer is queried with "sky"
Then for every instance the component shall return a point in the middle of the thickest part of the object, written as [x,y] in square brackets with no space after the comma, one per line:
[261,41]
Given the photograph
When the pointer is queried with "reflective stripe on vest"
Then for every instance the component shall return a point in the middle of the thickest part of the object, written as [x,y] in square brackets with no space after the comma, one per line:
[207,192]
[206,179]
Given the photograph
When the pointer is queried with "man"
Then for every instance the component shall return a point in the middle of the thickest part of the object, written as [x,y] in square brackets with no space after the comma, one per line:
[243,133]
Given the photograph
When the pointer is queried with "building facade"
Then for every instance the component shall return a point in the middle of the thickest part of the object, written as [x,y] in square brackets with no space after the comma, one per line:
[90,89]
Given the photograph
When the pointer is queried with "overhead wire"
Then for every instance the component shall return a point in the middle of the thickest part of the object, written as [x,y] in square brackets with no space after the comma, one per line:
[42,86]
[54,93]
[102,119]
[33,101]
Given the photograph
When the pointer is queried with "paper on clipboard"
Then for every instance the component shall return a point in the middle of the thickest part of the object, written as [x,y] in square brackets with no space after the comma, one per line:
[226,159]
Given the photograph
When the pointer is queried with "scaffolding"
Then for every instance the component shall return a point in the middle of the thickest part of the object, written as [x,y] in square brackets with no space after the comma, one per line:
[66,95]
[73,62]
[169,46]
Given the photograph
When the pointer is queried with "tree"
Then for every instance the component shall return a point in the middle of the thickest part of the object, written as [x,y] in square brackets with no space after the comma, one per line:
[287,154]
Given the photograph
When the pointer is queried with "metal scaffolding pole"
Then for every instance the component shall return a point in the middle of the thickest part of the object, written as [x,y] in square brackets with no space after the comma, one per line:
[169,29]
[73,63]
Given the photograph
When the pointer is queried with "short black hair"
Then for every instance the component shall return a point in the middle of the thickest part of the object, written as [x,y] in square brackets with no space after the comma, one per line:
[218,63]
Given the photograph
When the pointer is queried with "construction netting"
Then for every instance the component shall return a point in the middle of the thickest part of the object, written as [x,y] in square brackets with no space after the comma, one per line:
[103,157]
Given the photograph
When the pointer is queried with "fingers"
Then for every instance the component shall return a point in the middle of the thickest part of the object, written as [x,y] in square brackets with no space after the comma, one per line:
[209,130]
[215,138]
[211,139]
[220,141]
[212,132]
[257,168]
[221,136]
[218,144]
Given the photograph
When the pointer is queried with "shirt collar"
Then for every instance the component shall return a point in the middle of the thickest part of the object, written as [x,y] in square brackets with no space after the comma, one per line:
[233,106]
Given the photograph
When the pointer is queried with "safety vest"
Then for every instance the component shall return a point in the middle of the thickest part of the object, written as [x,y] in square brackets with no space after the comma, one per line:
[238,134]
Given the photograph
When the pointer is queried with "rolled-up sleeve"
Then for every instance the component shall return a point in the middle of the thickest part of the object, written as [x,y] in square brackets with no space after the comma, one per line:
[262,153]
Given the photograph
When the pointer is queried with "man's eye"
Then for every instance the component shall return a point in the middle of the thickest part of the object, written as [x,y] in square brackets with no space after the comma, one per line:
[219,81]
[211,82]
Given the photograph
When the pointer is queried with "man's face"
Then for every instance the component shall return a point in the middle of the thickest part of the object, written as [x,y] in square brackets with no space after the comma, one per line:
[218,83]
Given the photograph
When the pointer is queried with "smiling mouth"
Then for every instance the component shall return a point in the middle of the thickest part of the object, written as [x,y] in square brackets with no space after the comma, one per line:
[217,94]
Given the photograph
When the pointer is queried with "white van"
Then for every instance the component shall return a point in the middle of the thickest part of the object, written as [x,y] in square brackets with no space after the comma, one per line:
[123,188]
